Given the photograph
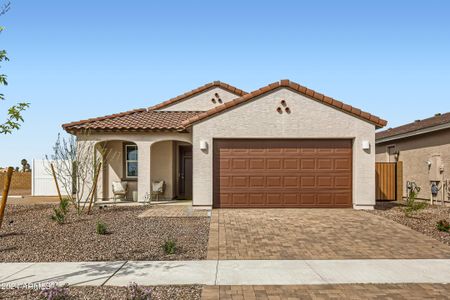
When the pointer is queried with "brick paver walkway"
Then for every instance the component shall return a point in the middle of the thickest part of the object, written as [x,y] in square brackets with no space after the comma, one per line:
[349,291]
[314,234]
[174,211]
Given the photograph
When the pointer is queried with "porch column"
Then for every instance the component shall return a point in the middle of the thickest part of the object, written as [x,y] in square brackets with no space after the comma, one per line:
[144,181]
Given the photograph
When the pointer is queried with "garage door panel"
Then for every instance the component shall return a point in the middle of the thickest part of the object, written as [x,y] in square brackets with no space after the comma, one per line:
[307,199]
[239,164]
[325,181]
[325,164]
[282,173]
[240,181]
[274,199]
[290,199]
[257,181]
[325,199]
[290,182]
[274,181]
[308,182]
[274,164]
[290,164]
[307,164]
[257,163]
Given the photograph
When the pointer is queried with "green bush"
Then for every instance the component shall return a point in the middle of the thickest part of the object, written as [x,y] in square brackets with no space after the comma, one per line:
[443,225]
[64,205]
[101,228]
[412,206]
[170,246]
[58,215]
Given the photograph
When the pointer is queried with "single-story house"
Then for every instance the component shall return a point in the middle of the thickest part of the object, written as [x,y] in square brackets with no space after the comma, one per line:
[424,148]
[283,145]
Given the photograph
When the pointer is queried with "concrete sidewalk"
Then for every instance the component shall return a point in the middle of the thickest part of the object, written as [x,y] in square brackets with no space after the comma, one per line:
[227,272]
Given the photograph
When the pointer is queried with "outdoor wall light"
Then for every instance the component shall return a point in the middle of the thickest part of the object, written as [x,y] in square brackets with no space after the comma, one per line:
[365,145]
[203,145]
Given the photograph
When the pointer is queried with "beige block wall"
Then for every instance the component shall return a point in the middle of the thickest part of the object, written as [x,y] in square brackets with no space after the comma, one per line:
[202,102]
[162,167]
[308,119]
[415,152]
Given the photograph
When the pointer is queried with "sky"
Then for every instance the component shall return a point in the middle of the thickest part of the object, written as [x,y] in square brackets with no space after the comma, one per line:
[74,60]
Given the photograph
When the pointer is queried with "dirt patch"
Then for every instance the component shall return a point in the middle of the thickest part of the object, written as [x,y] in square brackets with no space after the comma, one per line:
[29,235]
[110,292]
[423,221]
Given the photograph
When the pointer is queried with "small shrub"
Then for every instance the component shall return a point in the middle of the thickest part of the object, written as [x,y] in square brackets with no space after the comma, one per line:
[101,228]
[170,246]
[55,293]
[136,292]
[58,216]
[443,225]
[412,206]
[64,205]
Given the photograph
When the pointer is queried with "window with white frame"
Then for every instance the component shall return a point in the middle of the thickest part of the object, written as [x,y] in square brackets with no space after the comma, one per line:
[131,161]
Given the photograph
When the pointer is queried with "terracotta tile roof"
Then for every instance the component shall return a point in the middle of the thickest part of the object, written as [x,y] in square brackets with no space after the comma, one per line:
[379,123]
[134,120]
[225,86]
[438,119]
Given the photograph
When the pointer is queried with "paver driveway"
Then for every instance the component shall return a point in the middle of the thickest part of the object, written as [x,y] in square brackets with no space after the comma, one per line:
[344,291]
[314,234]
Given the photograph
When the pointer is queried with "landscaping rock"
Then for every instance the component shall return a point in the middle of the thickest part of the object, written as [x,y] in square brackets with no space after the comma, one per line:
[34,237]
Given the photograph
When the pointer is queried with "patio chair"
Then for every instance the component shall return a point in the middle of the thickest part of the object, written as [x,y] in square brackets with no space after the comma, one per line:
[120,190]
[158,188]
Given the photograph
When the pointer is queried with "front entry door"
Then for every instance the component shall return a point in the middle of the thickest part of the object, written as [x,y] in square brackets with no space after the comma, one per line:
[185,173]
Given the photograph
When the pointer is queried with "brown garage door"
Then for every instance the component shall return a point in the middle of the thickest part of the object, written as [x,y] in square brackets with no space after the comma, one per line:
[282,173]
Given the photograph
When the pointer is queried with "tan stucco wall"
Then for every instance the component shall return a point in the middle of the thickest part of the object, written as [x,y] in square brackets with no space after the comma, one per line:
[112,167]
[202,102]
[415,152]
[144,141]
[162,167]
[308,119]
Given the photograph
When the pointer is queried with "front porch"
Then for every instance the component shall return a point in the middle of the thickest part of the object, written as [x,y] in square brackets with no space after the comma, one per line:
[137,164]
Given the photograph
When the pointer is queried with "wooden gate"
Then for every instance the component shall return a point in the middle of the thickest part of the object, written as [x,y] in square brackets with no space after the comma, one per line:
[389,181]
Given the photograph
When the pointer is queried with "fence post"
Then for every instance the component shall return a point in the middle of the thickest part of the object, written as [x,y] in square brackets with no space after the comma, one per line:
[6,186]
[399,180]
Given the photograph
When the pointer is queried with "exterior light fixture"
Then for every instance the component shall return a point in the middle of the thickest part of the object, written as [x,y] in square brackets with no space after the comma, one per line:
[365,145]
[203,145]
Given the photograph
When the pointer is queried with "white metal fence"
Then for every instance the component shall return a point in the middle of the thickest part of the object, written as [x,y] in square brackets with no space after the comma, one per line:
[42,183]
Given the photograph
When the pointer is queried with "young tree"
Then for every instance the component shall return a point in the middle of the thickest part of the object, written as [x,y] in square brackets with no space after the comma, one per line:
[77,165]
[14,113]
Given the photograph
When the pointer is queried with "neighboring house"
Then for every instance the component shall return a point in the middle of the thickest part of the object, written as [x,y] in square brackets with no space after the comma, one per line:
[282,145]
[424,148]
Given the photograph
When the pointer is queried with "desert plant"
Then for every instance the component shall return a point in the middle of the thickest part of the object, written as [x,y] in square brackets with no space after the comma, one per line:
[136,292]
[55,293]
[170,246]
[64,205]
[412,205]
[101,228]
[443,225]
[58,215]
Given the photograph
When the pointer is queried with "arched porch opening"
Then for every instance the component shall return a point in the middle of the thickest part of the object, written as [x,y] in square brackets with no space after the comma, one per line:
[171,162]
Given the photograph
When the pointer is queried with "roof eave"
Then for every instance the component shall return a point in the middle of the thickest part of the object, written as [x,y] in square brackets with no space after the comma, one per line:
[412,133]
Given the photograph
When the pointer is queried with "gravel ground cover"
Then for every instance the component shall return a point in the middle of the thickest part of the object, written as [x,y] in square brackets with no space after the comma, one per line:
[423,221]
[29,235]
[111,293]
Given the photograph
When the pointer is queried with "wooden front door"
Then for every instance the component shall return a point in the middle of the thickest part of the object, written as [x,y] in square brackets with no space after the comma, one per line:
[185,172]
